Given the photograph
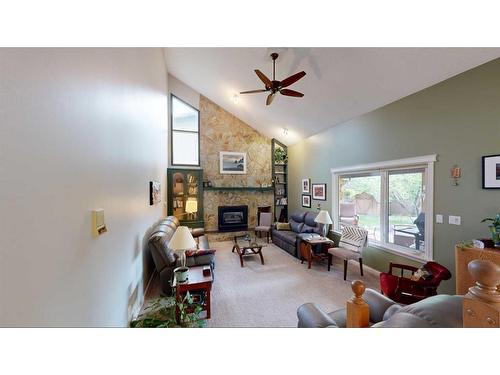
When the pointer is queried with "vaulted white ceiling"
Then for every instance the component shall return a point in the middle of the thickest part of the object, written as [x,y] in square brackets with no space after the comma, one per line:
[341,83]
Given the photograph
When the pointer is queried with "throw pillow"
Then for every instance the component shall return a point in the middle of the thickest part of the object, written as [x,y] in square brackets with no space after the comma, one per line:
[283,226]
[307,229]
[196,252]
[296,227]
[421,274]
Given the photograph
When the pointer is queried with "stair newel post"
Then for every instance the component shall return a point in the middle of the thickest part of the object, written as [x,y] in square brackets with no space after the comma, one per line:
[358,311]
[481,305]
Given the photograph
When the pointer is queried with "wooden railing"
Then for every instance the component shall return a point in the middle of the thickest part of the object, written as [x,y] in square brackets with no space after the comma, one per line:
[358,311]
[481,305]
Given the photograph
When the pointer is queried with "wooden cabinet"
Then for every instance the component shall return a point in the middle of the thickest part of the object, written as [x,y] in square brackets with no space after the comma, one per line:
[185,196]
[464,255]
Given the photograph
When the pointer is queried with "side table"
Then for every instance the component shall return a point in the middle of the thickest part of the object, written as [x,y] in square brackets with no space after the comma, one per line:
[307,253]
[196,282]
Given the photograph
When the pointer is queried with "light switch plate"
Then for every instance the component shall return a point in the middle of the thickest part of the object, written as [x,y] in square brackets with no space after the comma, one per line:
[98,224]
[439,219]
[454,220]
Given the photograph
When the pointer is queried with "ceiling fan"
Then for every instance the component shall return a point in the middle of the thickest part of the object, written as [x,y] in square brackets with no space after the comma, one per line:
[277,86]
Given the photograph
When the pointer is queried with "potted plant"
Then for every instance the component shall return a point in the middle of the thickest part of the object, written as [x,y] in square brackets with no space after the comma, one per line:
[494,228]
[280,156]
[160,313]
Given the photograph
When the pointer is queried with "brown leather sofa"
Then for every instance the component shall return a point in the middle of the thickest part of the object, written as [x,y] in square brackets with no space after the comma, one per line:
[166,260]
[441,311]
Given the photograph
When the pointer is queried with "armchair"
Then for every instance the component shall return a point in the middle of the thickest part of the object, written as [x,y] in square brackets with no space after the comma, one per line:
[351,245]
[405,290]
[442,311]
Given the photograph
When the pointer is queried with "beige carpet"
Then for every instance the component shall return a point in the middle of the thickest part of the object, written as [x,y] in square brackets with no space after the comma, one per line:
[268,295]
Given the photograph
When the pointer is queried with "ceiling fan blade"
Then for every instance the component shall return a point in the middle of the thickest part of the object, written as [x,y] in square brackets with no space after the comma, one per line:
[292,79]
[270,98]
[263,78]
[288,92]
[252,91]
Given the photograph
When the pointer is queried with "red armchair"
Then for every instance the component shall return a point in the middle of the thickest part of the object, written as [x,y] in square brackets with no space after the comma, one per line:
[405,290]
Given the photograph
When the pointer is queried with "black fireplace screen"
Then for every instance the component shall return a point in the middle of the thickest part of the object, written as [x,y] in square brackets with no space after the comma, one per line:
[233,218]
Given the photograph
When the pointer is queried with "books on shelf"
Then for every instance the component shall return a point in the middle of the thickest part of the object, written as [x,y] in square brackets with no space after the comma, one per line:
[280,191]
[282,201]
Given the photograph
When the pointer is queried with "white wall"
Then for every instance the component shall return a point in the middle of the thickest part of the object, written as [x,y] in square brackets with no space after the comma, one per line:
[79,129]
[183,91]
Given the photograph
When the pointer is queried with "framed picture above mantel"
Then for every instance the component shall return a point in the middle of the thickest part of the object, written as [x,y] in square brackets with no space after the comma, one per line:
[233,162]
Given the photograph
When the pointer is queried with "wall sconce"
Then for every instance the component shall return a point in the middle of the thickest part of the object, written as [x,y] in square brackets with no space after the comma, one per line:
[456,173]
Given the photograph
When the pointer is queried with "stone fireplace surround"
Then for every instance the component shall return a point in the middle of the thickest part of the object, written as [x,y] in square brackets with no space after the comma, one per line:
[222,131]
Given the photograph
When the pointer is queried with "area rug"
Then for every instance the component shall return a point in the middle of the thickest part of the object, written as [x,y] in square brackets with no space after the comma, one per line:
[268,295]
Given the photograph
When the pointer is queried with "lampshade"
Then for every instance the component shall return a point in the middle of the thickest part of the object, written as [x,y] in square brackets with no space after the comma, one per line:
[182,239]
[323,218]
[191,206]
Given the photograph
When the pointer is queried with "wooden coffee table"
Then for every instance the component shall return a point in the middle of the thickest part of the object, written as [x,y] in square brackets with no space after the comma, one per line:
[248,245]
[196,282]
[307,253]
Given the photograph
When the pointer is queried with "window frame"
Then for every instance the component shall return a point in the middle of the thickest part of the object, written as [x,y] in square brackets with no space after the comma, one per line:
[172,130]
[383,168]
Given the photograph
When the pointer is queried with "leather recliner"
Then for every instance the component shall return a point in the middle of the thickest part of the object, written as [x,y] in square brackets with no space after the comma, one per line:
[166,260]
[441,311]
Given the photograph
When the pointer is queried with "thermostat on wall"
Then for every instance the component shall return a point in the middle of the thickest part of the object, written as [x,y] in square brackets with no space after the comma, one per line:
[98,224]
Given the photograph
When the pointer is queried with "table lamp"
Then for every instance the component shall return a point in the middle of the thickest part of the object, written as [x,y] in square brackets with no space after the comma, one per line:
[325,219]
[181,241]
[191,206]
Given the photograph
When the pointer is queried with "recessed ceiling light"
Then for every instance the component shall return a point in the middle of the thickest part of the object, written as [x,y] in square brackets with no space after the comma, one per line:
[285,131]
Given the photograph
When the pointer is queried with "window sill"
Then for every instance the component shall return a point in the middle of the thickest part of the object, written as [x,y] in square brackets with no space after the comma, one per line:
[410,254]
[413,255]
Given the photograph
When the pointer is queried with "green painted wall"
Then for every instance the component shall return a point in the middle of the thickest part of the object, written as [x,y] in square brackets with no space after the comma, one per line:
[458,119]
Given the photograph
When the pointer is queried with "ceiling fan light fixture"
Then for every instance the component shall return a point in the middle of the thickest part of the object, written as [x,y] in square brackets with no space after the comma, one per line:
[235,98]
[274,86]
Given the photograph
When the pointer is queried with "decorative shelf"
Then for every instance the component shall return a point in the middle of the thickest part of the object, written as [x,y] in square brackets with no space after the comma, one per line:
[279,173]
[238,188]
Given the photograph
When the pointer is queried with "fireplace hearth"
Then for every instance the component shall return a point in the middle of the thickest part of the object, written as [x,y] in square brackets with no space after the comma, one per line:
[233,218]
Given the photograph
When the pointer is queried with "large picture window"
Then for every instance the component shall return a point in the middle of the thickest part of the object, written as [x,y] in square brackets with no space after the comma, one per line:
[392,200]
[185,137]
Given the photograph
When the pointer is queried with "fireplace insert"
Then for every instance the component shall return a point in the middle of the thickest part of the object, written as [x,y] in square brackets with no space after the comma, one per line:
[233,218]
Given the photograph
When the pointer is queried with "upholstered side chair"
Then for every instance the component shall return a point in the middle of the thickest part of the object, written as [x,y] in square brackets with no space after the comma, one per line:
[352,242]
[265,224]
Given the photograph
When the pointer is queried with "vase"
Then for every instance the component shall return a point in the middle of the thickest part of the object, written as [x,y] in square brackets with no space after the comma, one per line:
[495,235]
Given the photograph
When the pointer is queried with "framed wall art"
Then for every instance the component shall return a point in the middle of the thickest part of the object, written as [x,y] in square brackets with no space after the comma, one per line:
[306,185]
[154,192]
[306,200]
[319,192]
[233,162]
[491,172]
